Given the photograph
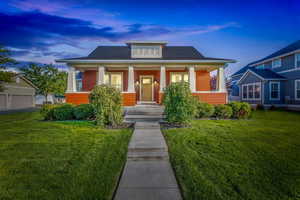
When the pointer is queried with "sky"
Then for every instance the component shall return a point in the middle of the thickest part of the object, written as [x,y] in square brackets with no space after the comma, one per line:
[243,30]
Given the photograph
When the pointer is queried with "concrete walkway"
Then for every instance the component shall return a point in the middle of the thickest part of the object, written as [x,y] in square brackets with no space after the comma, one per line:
[148,174]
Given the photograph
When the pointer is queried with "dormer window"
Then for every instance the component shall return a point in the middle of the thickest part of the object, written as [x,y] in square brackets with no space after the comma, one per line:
[276,63]
[138,51]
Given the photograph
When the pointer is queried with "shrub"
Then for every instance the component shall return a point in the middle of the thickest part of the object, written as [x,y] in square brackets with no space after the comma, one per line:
[223,111]
[204,110]
[63,112]
[47,111]
[260,107]
[84,112]
[107,103]
[179,103]
[240,110]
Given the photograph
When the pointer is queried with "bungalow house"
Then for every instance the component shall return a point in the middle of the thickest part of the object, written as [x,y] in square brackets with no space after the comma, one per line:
[273,80]
[142,69]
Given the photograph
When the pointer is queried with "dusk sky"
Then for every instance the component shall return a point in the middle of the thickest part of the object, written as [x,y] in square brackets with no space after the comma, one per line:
[45,30]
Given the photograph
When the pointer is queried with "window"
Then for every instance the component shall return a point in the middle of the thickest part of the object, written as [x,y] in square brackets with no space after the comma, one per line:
[297,89]
[245,91]
[114,79]
[146,51]
[297,60]
[274,90]
[251,91]
[262,66]
[179,77]
[276,63]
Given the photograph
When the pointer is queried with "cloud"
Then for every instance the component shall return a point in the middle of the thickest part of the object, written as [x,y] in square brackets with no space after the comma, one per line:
[36,34]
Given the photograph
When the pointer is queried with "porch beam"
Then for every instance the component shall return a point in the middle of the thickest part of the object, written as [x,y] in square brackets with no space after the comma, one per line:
[192,79]
[130,79]
[101,74]
[162,81]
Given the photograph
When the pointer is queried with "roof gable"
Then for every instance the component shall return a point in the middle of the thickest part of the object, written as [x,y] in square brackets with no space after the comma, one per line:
[262,74]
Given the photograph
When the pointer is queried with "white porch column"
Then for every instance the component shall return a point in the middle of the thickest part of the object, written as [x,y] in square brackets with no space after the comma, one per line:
[221,80]
[192,79]
[130,80]
[71,85]
[101,74]
[162,78]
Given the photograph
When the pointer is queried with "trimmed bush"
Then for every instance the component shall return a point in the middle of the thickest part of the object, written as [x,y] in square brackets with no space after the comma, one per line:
[223,111]
[240,110]
[63,112]
[84,112]
[107,103]
[180,106]
[47,111]
[204,110]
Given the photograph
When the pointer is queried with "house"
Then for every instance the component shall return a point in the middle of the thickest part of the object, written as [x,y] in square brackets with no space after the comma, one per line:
[17,94]
[273,80]
[142,69]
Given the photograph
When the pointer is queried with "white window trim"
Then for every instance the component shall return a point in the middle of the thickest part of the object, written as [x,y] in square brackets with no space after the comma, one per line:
[270,89]
[182,74]
[276,66]
[296,98]
[296,60]
[109,75]
[253,85]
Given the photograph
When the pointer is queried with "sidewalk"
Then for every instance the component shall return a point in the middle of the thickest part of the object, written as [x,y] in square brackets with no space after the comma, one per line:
[148,174]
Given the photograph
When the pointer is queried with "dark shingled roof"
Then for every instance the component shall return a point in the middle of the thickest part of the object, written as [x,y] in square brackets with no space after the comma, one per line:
[242,70]
[292,47]
[267,74]
[168,53]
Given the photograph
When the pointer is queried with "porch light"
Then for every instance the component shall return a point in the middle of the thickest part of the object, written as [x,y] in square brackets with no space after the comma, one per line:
[155,82]
[137,82]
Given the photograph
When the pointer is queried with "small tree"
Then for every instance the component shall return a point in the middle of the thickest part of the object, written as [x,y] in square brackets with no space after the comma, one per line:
[179,103]
[107,103]
[5,76]
[47,78]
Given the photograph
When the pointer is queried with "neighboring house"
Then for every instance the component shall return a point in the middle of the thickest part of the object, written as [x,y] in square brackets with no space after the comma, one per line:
[273,80]
[18,94]
[142,69]
[40,99]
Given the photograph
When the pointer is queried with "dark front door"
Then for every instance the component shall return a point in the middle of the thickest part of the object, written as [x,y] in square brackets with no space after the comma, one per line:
[146,88]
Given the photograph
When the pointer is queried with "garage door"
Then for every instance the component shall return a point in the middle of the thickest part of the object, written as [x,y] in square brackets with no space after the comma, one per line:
[21,101]
[2,101]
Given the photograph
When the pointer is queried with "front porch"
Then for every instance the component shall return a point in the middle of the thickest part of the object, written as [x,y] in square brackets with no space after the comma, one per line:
[146,83]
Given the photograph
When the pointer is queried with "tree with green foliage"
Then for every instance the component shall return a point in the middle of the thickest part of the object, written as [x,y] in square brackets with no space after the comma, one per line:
[47,78]
[5,59]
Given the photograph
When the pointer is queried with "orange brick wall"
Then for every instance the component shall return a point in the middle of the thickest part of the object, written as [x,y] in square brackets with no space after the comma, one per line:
[129,99]
[212,98]
[77,98]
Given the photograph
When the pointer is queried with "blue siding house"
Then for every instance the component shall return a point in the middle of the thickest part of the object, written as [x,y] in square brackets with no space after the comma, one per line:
[273,80]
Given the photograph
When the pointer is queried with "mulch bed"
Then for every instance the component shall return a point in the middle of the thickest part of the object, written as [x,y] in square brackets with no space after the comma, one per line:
[123,125]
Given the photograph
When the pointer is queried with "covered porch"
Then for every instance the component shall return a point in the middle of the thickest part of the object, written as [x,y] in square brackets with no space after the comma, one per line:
[146,82]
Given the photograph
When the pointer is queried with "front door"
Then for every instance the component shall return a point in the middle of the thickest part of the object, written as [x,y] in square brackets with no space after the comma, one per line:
[146,88]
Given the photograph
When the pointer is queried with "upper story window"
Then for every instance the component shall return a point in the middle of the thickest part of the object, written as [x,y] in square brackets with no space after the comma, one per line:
[177,77]
[297,59]
[262,66]
[114,79]
[151,51]
[276,63]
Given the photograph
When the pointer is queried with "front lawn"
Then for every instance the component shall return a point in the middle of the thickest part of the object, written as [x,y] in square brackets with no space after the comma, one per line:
[58,160]
[256,159]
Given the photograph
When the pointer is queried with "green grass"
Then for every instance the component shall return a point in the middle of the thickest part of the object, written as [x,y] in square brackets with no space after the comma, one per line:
[58,160]
[256,159]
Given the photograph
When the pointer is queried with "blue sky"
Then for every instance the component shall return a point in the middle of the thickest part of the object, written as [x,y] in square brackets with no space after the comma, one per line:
[245,30]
